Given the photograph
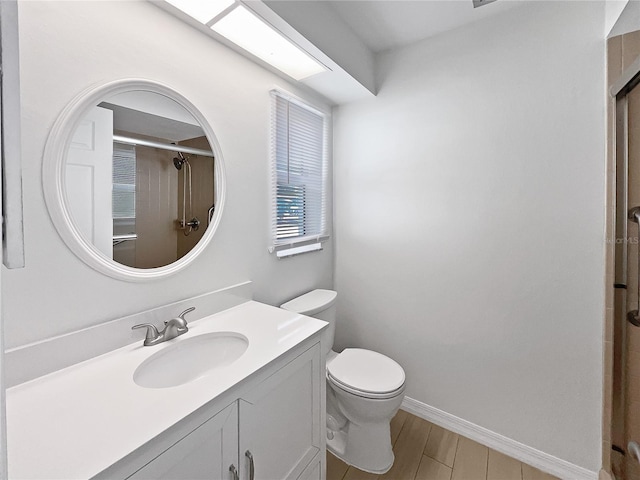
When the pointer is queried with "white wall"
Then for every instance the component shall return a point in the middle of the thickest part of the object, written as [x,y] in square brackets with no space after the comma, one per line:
[69,46]
[469,223]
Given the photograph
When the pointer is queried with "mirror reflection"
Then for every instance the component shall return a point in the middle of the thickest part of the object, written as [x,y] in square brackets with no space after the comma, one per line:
[139,179]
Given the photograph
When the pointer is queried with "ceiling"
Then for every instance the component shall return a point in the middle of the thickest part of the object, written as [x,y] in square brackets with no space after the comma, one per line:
[130,121]
[387,24]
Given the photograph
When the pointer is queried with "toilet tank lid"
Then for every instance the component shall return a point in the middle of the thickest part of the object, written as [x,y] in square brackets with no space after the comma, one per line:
[312,302]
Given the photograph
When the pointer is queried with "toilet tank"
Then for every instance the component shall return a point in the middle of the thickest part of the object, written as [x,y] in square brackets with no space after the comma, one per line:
[318,304]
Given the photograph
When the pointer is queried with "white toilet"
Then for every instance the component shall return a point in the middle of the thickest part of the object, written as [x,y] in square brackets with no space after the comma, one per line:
[364,391]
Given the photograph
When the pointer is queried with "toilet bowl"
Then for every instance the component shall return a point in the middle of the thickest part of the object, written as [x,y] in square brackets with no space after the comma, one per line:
[364,391]
[367,388]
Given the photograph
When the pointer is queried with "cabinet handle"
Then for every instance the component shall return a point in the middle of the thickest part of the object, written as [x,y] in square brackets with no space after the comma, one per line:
[234,472]
[251,464]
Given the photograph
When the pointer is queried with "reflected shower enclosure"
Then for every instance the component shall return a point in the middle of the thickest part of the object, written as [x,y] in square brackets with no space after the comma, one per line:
[140,179]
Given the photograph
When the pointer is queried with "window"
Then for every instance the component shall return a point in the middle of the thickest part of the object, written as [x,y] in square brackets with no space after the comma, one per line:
[299,169]
[124,181]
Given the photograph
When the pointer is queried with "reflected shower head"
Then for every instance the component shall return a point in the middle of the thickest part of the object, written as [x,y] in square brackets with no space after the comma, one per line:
[179,161]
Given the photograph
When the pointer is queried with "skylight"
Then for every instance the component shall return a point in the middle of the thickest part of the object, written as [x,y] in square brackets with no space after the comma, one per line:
[250,32]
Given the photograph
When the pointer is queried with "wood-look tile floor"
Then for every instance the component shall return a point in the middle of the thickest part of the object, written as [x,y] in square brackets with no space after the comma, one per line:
[425,451]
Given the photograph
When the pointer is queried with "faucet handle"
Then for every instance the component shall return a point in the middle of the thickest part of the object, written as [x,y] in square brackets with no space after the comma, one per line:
[190,309]
[152,331]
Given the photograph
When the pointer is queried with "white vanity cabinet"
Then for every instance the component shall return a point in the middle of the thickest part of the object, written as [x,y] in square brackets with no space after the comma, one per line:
[271,432]
[269,402]
[207,453]
[280,421]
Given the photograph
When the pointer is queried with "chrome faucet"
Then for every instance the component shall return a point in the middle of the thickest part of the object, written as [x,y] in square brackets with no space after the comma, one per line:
[172,328]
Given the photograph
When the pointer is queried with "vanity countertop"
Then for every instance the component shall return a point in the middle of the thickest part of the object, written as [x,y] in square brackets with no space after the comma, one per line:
[76,422]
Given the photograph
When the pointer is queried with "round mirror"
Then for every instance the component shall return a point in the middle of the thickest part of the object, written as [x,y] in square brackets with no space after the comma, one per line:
[133,178]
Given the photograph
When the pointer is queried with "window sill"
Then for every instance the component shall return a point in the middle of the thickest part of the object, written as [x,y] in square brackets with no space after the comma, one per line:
[299,245]
[291,251]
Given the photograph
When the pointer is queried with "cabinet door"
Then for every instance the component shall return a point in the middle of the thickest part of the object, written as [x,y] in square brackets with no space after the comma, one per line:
[280,420]
[313,471]
[206,453]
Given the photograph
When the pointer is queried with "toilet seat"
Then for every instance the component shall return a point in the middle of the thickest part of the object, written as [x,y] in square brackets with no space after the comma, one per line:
[369,395]
[366,373]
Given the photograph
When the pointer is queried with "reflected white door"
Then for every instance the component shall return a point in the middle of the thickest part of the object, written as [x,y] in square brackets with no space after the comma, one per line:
[89,178]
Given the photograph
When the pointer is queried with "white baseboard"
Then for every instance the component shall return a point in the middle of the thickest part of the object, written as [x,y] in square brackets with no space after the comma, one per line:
[529,455]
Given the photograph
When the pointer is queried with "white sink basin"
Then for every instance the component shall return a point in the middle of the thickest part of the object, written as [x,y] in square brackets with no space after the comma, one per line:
[189,359]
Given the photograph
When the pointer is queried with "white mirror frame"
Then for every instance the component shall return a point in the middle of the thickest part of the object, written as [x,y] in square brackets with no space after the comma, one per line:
[53,180]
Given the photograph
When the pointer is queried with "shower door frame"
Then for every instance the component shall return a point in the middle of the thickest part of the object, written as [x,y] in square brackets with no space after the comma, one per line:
[619,92]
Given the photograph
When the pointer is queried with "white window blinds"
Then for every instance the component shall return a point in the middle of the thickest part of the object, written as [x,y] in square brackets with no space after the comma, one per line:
[299,172]
[124,181]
